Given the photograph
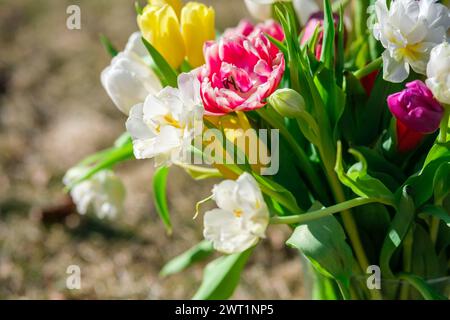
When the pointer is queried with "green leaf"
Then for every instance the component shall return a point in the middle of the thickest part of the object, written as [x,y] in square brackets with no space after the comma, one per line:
[323,243]
[108,46]
[438,151]
[169,74]
[195,254]
[280,45]
[423,185]
[397,231]
[424,260]
[221,276]
[278,193]
[105,159]
[159,196]
[360,181]
[422,286]
[138,8]
[327,56]
[435,211]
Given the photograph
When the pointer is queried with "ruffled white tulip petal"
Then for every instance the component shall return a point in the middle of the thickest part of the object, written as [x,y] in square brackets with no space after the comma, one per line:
[438,73]
[408,30]
[164,125]
[103,193]
[136,45]
[242,217]
[129,79]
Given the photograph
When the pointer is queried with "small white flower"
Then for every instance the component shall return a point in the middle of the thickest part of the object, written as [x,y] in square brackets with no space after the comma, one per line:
[262,9]
[438,73]
[103,193]
[129,79]
[165,124]
[408,30]
[242,217]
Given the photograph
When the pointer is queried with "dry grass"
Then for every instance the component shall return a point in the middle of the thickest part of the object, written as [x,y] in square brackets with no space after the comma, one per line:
[53,111]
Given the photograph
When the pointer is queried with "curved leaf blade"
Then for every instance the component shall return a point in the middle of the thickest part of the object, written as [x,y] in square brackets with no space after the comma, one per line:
[222,276]
[160,198]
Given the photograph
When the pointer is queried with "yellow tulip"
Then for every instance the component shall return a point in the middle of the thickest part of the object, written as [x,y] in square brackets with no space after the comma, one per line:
[197,27]
[175,4]
[160,26]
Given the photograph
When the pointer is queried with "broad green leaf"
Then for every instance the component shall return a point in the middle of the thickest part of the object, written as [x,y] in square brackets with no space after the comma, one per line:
[170,76]
[442,182]
[195,254]
[323,242]
[221,276]
[160,197]
[435,211]
[422,286]
[425,262]
[397,230]
[373,222]
[108,46]
[360,181]
[372,117]
[436,152]
[423,185]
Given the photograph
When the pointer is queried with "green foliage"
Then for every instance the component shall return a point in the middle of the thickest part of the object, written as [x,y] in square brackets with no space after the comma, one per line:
[169,75]
[221,276]
[108,46]
[160,197]
[397,230]
[195,254]
[323,242]
[361,183]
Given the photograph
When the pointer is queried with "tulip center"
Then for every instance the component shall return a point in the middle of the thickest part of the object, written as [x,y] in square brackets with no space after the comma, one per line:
[411,52]
[238,213]
[230,82]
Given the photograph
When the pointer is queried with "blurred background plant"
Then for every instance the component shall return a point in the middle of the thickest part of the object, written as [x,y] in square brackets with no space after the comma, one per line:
[53,112]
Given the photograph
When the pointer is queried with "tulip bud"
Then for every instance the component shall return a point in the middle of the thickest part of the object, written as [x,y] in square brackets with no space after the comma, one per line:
[128,80]
[160,26]
[438,70]
[175,4]
[197,27]
[287,102]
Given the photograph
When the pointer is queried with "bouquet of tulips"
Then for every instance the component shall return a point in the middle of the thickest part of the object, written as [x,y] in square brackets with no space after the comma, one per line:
[331,118]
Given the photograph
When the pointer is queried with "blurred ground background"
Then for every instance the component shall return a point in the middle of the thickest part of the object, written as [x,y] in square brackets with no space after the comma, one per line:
[53,112]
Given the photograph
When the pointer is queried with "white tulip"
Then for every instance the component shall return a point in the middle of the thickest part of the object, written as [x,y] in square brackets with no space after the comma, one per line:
[165,124]
[438,73]
[242,217]
[408,30]
[129,79]
[103,193]
[262,9]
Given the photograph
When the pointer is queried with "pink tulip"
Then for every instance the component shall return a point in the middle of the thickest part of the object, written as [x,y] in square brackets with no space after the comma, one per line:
[246,28]
[416,108]
[239,74]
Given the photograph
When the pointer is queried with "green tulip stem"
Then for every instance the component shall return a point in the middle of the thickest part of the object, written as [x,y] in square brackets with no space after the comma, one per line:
[368,69]
[318,214]
[444,125]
